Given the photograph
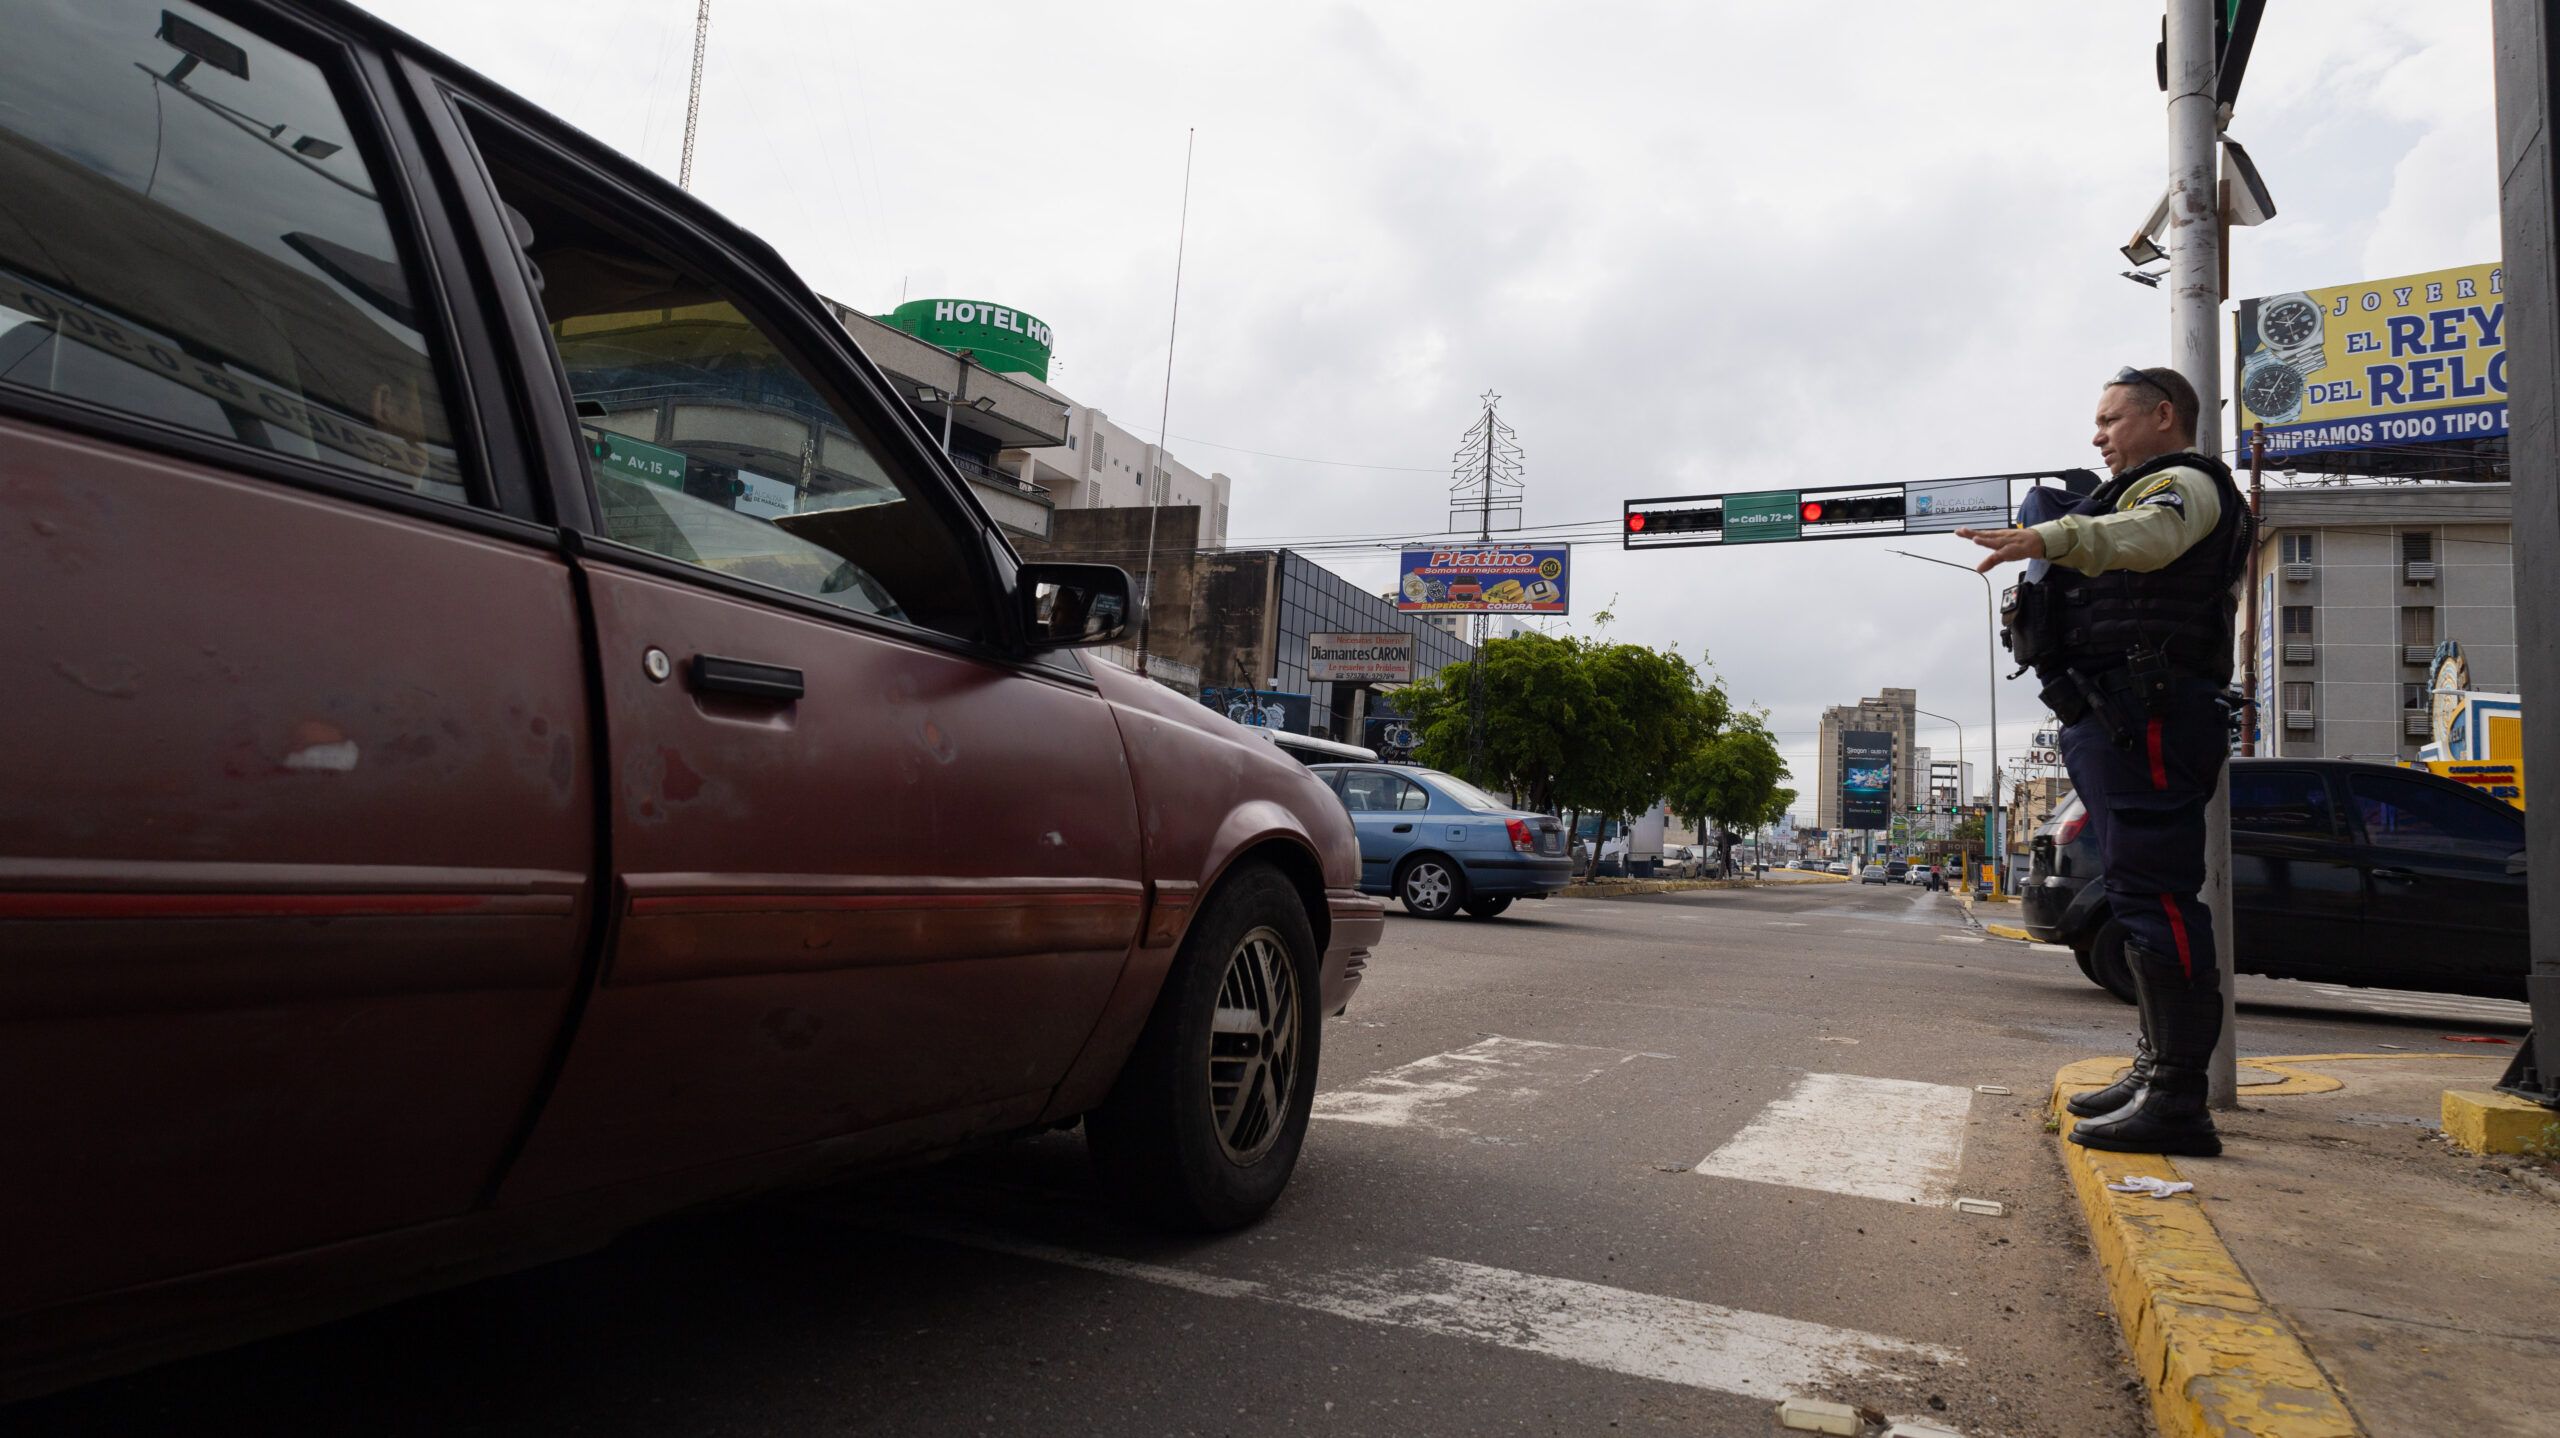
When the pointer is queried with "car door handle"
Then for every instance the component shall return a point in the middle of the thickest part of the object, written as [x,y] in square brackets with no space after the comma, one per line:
[1403,829]
[2397,876]
[745,677]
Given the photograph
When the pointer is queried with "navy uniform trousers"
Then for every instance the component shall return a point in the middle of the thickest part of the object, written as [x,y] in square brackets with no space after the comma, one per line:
[2146,803]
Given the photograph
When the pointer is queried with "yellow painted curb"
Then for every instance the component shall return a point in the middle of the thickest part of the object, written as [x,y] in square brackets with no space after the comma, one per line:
[2494,1122]
[2008,931]
[2217,1360]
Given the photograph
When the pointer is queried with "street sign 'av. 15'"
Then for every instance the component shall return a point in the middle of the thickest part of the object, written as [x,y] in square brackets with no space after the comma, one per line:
[1843,511]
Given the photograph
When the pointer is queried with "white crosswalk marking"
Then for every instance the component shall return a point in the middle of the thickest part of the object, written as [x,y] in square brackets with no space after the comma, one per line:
[1672,1340]
[2451,1008]
[1841,1133]
[1498,1072]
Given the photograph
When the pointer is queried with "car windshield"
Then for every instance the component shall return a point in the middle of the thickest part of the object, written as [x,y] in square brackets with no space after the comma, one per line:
[1465,793]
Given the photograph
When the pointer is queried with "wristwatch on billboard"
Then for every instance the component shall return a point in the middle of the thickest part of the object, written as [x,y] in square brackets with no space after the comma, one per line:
[2271,389]
[2290,327]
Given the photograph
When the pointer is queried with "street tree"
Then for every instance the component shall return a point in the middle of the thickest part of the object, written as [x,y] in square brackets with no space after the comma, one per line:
[1731,779]
[1538,696]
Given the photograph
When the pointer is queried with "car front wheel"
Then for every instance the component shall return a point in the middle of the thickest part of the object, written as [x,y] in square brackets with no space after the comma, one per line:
[1431,887]
[2102,959]
[1203,1127]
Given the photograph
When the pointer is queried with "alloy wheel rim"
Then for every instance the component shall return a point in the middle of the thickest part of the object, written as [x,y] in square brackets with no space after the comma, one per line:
[1253,1046]
[1428,886]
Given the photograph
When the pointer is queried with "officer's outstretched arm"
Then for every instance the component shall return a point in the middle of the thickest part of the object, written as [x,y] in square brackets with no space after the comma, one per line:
[2159,520]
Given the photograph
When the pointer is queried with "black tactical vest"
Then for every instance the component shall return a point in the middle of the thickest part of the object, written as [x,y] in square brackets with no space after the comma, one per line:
[2095,621]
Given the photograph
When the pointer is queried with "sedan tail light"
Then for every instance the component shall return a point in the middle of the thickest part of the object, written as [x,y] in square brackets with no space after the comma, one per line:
[1521,840]
[2070,829]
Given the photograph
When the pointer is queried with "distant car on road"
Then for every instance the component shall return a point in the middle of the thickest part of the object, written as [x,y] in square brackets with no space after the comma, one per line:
[1443,846]
[1874,874]
[2341,871]
[1919,874]
[1837,866]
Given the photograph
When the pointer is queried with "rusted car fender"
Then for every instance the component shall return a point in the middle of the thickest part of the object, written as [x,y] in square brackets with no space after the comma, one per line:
[1210,797]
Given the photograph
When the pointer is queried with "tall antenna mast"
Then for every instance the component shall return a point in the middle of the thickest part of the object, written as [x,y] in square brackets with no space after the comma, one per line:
[1484,494]
[693,97]
[1164,416]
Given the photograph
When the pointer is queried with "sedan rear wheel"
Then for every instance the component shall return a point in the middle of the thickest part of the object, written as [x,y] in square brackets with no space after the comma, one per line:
[1204,1124]
[1431,887]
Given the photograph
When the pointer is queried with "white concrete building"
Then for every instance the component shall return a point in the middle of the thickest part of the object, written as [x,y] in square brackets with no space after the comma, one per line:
[1105,466]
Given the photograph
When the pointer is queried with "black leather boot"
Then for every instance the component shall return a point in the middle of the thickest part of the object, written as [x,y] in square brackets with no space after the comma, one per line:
[2167,1113]
[2115,1095]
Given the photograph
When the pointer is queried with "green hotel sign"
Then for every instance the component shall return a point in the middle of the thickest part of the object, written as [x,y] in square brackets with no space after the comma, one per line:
[1004,340]
[1750,518]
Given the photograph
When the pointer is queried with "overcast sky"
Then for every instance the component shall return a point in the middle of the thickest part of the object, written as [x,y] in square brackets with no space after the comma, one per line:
[1695,247]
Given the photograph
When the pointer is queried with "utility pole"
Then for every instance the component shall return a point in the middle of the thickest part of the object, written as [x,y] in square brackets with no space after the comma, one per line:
[1487,481]
[2195,348]
[2529,229]
[693,96]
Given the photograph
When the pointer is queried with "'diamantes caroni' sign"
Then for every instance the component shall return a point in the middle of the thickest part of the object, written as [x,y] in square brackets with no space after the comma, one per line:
[1360,658]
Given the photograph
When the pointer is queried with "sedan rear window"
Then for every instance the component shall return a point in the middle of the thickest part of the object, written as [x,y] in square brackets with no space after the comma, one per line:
[1466,793]
[2405,814]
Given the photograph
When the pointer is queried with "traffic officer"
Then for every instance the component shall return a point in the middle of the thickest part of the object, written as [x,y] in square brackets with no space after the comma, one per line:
[2129,626]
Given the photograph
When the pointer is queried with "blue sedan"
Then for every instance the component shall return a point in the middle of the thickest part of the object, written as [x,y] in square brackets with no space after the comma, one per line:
[1444,846]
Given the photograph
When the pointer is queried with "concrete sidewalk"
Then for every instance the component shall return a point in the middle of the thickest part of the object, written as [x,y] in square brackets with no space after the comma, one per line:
[2340,1269]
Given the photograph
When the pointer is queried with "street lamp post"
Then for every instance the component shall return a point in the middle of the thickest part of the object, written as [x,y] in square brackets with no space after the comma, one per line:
[1991,652]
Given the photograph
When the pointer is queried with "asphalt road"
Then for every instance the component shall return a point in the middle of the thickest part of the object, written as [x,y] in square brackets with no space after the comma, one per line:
[1626,1165]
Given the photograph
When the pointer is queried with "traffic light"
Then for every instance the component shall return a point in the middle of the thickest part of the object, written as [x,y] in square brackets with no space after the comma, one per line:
[1837,511]
[1666,523]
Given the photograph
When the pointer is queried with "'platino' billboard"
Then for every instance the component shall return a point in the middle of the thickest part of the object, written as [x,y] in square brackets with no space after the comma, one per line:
[1484,579]
[2405,361]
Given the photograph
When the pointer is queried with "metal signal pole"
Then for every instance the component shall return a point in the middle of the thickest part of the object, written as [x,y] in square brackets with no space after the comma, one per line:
[2195,347]
[693,96]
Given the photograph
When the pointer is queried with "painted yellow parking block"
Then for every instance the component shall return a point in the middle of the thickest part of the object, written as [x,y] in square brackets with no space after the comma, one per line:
[2496,1122]
[2008,931]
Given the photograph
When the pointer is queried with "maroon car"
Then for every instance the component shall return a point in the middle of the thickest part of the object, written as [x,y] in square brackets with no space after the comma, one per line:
[514,730]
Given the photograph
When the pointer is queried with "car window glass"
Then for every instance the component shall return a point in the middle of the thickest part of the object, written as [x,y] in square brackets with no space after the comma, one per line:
[2403,814]
[709,444]
[2281,801]
[1409,795]
[189,232]
[1364,792]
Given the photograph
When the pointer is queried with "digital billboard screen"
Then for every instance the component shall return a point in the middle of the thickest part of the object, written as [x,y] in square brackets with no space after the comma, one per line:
[1866,779]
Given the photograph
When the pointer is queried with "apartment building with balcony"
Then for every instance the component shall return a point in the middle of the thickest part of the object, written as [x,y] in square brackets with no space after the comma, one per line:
[2356,586]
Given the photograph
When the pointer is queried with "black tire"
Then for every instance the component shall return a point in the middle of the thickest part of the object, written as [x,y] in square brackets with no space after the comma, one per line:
[1486,906]
[1431,887]
[2102,959]
[1162,1142]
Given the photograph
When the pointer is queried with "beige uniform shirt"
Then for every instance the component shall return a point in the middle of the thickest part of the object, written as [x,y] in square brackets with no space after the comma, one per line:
[2157,520]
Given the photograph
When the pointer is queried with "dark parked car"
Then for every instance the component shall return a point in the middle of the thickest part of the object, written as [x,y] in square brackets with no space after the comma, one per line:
[517,729]
[2341,871]
[1444,846]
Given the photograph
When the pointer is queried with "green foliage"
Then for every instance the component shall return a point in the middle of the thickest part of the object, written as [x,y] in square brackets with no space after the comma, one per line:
[1570,723]
[1731,778]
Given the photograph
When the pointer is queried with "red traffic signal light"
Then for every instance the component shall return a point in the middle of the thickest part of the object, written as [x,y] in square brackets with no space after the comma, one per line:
[1812,511]
[1634,522]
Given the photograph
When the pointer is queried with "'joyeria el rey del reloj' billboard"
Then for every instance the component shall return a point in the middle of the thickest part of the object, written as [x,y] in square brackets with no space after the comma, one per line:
[2414,360]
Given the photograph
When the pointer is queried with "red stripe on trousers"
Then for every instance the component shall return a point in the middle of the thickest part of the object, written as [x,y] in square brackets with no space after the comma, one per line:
[2159,766]
[2178,929]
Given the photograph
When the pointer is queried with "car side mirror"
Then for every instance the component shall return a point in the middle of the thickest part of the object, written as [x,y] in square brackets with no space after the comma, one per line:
[1072,606]
[2515,862]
